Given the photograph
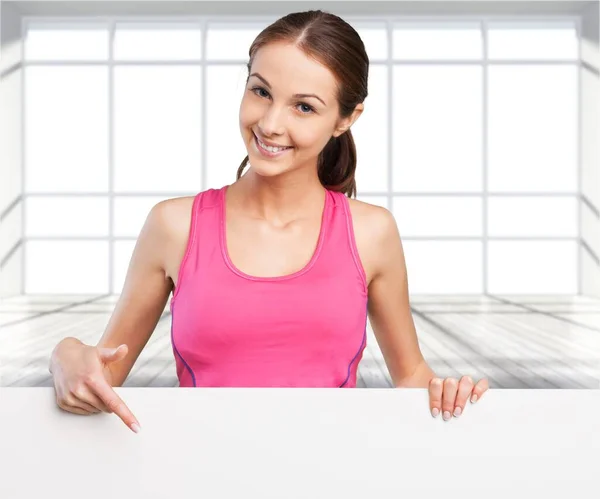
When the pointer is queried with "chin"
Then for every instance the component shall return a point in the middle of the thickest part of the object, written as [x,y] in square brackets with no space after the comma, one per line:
[266,168]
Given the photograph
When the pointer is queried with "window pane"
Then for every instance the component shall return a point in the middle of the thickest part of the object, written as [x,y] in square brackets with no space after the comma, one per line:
[122,256]
[370,134]
[374,37]
[443,266]
[228,42]
[65,267]
[66,120]
[225,146]
[376,200]
[67,42]
[532,132]
[437,114]
[537,267]
[439,216]
[532,216]
[157,128]
[557,40]
[443,41]
[131,213]
[157,41]
[56,216]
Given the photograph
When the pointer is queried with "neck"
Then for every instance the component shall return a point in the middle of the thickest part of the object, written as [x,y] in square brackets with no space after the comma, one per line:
[278,200]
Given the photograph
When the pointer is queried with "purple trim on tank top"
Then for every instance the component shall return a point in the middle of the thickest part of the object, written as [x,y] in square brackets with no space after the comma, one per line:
[359,350]
[177,351]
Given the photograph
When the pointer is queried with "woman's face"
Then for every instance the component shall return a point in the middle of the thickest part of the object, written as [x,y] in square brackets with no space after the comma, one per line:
[289,101]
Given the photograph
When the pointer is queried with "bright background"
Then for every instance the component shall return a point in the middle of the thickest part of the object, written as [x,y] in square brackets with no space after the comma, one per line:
[471,136]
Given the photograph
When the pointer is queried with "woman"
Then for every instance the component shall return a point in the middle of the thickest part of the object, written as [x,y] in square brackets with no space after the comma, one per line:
[273,276]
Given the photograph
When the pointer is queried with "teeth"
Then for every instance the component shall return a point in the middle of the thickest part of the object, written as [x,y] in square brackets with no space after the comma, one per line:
[269,148]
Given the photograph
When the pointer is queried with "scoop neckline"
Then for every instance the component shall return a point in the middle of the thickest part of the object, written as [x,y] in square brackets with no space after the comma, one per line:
[304,270]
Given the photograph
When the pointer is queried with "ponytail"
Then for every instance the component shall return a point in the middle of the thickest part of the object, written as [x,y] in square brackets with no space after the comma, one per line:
[241,168]
[336,165]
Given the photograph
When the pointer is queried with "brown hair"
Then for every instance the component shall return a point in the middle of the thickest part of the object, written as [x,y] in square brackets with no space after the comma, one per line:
[334,43]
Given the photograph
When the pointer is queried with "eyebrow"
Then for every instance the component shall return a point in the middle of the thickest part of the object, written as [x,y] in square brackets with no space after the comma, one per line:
[299,96]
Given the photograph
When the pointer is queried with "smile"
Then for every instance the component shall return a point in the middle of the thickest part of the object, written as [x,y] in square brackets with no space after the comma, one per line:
[268,151]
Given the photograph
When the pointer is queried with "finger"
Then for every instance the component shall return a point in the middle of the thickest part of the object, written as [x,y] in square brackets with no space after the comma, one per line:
[84,398]
[109,355]
[435,396]
[74,399]
[94,401]
[481,387]
[449,397]
[76,410]
[85,406]
[465,387]
[103,390]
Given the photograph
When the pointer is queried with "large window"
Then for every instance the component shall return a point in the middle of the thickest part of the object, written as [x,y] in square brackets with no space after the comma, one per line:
[469,137]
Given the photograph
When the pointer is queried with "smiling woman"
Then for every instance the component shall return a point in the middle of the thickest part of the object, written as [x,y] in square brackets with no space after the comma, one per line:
[331,66]
[274,276]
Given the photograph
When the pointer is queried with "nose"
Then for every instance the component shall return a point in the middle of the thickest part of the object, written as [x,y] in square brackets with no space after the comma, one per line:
[272,121]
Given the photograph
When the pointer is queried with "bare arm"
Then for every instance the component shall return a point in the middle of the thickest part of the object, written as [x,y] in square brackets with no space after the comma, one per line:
[389,308]
[144,295]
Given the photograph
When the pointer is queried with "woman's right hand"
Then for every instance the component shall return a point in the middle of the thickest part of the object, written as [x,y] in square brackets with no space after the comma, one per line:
[83,380]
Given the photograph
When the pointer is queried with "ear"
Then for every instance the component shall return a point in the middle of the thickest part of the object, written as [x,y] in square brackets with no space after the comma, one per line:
[345,123]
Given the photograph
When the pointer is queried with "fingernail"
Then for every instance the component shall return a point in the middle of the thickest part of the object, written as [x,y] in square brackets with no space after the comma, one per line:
[446,415]
[135,427]
[435,412]
[474,399]
[457,412]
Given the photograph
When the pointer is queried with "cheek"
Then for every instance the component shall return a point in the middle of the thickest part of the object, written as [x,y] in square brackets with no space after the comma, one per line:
[250,110]
[310,137]
[245,112]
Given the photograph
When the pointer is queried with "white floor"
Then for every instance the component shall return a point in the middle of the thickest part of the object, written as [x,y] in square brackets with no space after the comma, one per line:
[514,341]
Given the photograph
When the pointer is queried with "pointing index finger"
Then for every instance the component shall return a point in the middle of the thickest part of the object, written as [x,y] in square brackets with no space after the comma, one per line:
[114,403]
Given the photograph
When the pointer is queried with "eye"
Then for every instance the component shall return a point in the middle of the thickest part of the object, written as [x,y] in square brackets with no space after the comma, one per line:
[306,106]
[256,90]
[306,109]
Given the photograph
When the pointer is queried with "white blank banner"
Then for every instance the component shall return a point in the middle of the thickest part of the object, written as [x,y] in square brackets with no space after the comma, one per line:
[302,443]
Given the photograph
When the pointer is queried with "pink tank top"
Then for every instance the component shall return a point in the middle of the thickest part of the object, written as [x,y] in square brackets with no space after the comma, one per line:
[306,329]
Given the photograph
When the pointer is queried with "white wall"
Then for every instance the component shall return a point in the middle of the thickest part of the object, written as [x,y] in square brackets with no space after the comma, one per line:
[590,157]
[11,205]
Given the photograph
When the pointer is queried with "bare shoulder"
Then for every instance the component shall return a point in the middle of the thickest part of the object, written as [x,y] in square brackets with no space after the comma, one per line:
[374,228]
[374,217]
[172,219]
[173,216]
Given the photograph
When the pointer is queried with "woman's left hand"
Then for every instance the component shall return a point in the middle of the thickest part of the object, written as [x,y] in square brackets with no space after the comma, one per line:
[449,397]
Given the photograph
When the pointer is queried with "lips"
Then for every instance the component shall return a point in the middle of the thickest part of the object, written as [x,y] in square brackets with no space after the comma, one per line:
[270,145]
[265,153]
